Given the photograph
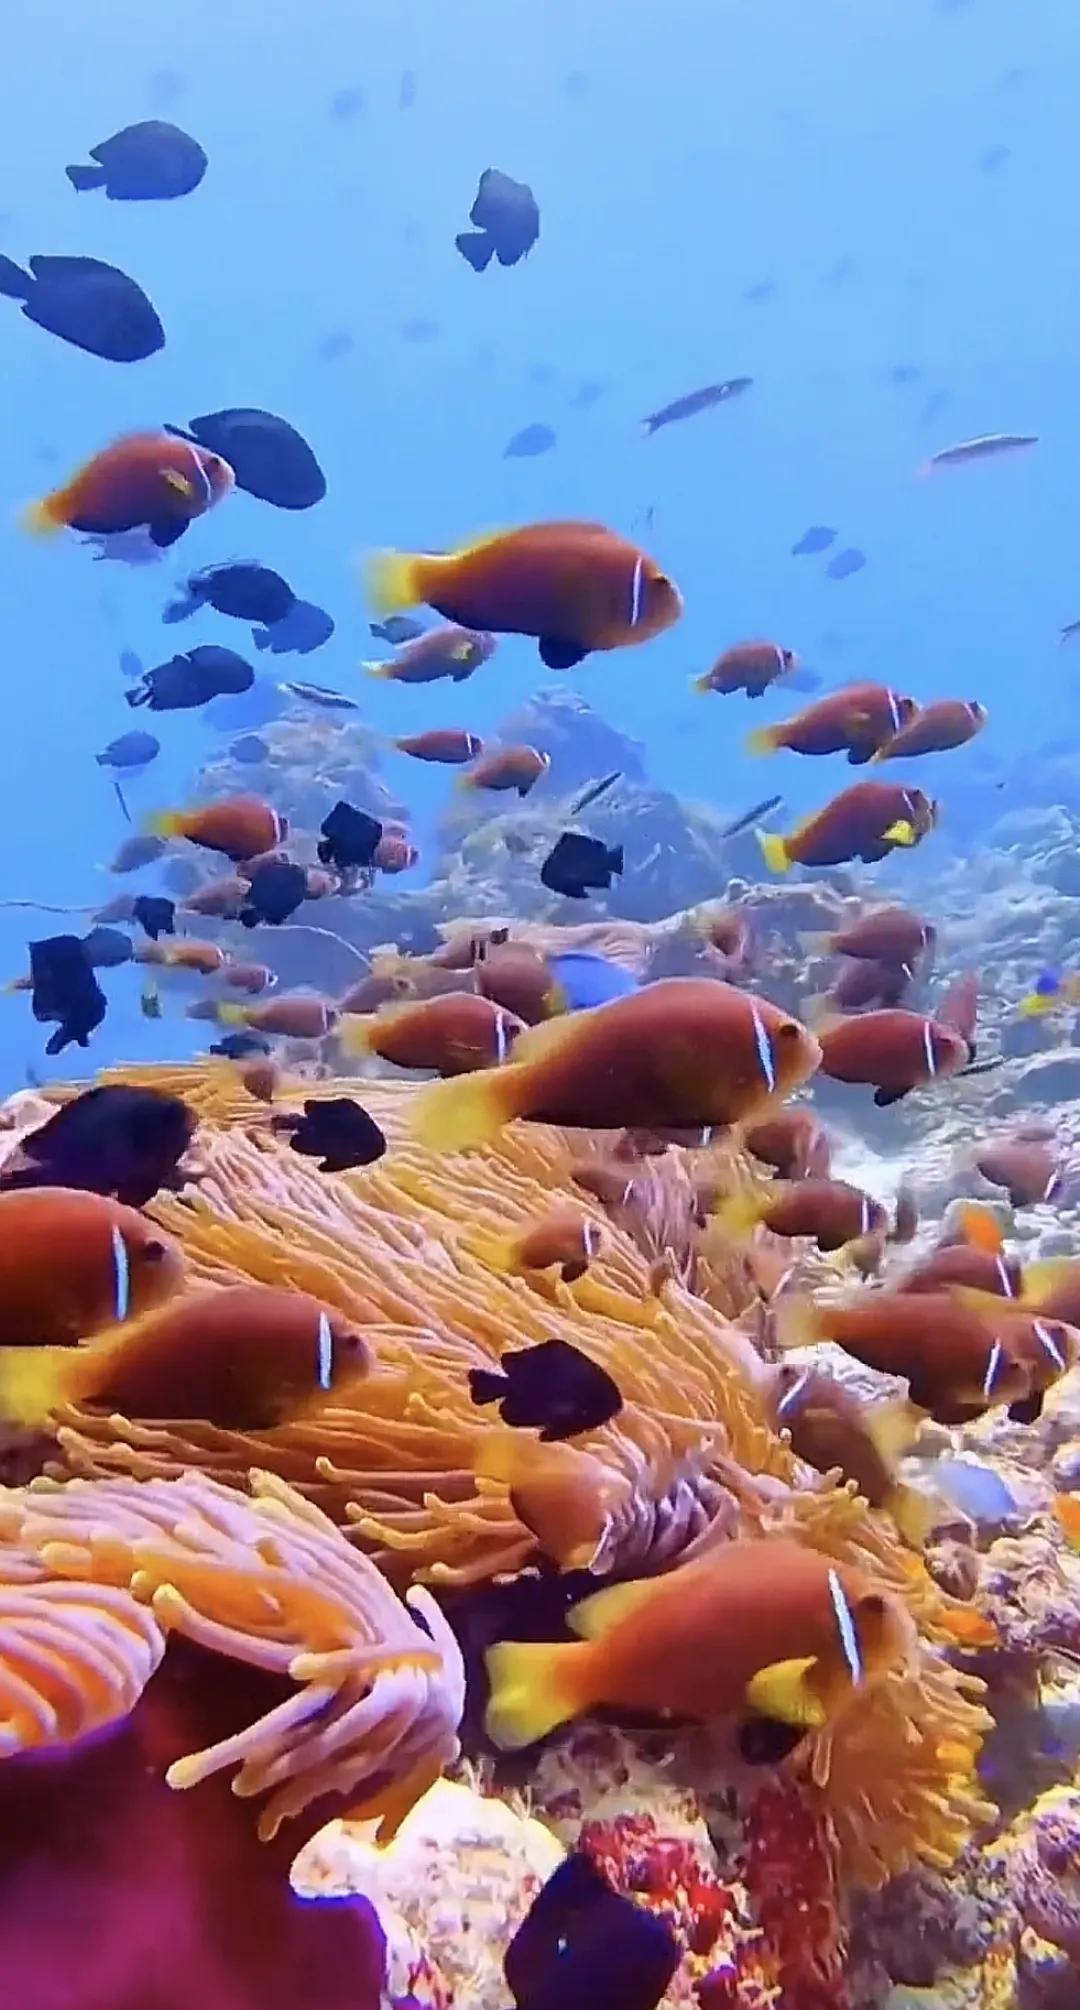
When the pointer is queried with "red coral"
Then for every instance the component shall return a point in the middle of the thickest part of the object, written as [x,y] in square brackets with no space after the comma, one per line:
[791,1879]
[117,1893]
[666,1874]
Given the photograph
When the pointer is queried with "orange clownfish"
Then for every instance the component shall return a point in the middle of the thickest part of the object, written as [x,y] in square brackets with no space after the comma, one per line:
[148,479]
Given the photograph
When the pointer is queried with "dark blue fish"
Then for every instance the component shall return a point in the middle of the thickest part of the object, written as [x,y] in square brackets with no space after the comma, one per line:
[269,458]
[122,1142]
[275,891]
[407,91]
[845,563]
[531,440]
[583,979]
[154,914]
[936,404]
[131,750]
[319,694]
[506,220]
[130,665]
[397,628]
[581,1946]
[332,347]
[107,948]
[249,710]
[248,592]
[240,1046]
[419,329]
[337,1131]
[552,1388]
[346,103]
[994,158]
[817,538]
[87,303]
[304,628]
[249,750]
[150,162]
[349,838]
[163,88]
[905,373]
[577,864]
[588,391]
[64,991]
[763,290]
[186,682]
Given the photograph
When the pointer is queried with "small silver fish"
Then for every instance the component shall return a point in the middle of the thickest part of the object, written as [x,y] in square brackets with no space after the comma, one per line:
[983,448]
[595,790]
[752,816]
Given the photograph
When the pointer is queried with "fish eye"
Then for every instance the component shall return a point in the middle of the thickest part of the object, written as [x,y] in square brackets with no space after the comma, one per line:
[788,1029]
[153,1252]
[872,1606]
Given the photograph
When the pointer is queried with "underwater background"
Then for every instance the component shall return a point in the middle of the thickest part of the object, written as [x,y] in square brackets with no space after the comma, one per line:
[865,207]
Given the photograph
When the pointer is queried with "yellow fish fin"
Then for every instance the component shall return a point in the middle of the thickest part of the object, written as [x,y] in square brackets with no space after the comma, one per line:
[229,1014]
[915,1514]
[37,1381]
[393,580]
[527,1697]
[781,1690]
[703,684]
[774,850]
[892,1427]
[461,653]
[798,1322]
[1042,1278]
[605,1609]
[537,1042]
[984,1304]
[45,518]
[901,832]
[166,824]
[356,1031]
[763,740]
[379,669]
[741,1212]
[466,1110]
[178,482]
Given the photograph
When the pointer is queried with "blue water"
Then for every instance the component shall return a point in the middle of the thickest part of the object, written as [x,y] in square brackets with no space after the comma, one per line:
[844,152]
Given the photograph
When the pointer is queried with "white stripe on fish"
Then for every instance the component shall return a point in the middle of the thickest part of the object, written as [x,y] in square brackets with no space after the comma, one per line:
[845,1620]
[1046,1340]
[992,1367]
[764,1047]
[928,1048]
[793,1393]
[326,1351]
[121,1276]
[635,591]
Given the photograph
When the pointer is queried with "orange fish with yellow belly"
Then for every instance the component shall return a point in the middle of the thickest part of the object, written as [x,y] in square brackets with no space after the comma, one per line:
[765,1629]
[149,480]
[576,587]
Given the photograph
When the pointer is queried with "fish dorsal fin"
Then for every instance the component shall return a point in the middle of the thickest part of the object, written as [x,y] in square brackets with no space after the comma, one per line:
[537,1042]
[1042,1278]
[475,544]
[597,1615]
[781,1691]
[892,1428]
[985,1305]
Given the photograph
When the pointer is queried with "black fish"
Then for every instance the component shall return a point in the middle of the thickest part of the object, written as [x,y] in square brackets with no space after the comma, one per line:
[154,914]
[63,989]
[338,1132]
[269,458]
[749,817]
[817,538]
[250,592]
[552,1387]
[305,627]
[531,440]
[581,1946]
[150,162]
[275,892]
[107,948]
[89,304]
[594,791]
[845,563]
[321,695]
[240,1046]
[576,863]
[1071,629]
[185,682]
[113,1140]
[397,628]
[131,750]
[696,401]
[349,837]
[507,222]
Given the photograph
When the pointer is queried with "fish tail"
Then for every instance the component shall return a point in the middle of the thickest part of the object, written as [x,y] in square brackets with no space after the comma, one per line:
[15,284]
[393,580]
[467,1110]
[774,851]
[229,1014]
[378,669]
[530,1690]
[741,1212]
[486,1385]
[914,1513]
[799,1323]
[45,518]
[764,740]
[166,824]
[1037,1003]
[35,1382]
[702,684]
[355,1031]
[85,177]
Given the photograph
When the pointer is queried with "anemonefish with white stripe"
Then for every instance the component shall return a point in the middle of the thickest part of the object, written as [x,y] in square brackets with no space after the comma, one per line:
[892,1051]
[147,480]
[576,587]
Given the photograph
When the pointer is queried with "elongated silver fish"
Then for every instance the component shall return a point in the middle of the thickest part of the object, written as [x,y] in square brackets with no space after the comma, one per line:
[594,791]
[752,816]
[984,448]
